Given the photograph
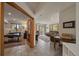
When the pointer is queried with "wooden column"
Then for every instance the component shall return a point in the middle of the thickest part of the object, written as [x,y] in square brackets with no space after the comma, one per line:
[1,28]
[32,33]
[30,24]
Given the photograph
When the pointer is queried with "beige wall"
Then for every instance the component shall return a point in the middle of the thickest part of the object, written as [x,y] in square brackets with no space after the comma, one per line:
[77,23]
[66,15]
[74,47]
[8,27]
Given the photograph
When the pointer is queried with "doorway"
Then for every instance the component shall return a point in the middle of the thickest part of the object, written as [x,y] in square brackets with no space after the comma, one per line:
[9,24]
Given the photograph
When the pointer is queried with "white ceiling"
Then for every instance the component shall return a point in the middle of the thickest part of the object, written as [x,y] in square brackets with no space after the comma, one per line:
[47,11]
[42,11]
[34,6]
[15,17]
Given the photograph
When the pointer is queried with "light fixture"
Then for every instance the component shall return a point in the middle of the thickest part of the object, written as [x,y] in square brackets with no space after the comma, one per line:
[6,21]
[9,13]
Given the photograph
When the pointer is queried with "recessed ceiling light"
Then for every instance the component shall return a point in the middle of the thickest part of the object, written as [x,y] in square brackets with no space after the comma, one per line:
[9,13]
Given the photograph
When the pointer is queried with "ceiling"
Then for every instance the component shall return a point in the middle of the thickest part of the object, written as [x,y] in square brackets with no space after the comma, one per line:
[48,6]
[42,11]
[34,6]
[12,15]
[46,11]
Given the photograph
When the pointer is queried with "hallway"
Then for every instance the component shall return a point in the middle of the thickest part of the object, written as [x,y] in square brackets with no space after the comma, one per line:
[43,48]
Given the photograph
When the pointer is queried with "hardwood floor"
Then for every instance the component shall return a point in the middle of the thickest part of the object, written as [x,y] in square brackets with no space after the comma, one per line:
[42,48]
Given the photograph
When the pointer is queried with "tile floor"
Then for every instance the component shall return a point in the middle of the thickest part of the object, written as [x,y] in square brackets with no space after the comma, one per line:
[42,48]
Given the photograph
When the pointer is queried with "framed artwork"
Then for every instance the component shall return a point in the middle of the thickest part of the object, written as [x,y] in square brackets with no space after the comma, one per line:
[69,24]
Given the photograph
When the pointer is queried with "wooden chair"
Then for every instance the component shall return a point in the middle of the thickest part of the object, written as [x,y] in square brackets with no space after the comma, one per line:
[56,40]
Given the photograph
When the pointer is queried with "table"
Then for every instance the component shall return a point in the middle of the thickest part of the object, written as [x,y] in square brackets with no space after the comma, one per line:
[13,35]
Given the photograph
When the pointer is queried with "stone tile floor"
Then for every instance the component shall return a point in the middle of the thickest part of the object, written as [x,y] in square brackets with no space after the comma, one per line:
[42,48]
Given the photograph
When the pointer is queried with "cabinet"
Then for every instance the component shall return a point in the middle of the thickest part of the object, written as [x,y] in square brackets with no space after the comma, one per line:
[67,52]
[70,49]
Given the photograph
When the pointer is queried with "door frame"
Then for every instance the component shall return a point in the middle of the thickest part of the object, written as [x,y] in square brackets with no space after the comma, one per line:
[14,5]
[1,28]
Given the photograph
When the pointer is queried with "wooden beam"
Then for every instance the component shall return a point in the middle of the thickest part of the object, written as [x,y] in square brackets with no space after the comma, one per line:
[19,8]
[1,28]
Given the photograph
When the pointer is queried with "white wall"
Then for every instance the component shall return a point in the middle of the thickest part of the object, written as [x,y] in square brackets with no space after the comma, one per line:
[55,18]
[7,28]
[66,15]
[77,23]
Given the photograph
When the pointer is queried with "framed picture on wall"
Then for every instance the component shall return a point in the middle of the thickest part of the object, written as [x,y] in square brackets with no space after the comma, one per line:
[69,24]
